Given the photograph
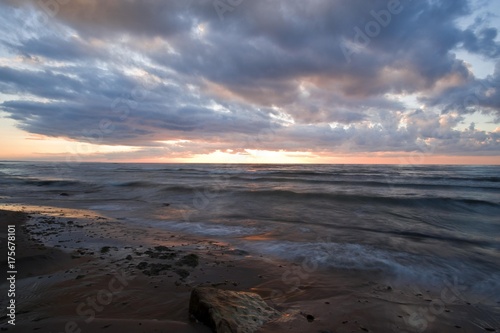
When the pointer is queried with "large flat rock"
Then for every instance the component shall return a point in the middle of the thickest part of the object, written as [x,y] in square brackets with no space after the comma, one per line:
[226,311]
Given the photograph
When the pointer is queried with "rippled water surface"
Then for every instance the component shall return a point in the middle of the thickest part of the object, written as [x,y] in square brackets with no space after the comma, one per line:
[426,223]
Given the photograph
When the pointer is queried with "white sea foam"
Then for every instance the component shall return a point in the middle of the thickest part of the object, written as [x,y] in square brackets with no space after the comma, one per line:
[330,254]
[204,228]
[402,266]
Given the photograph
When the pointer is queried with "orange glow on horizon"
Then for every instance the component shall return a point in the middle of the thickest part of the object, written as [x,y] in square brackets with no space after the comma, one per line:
[309,158]
[19,145]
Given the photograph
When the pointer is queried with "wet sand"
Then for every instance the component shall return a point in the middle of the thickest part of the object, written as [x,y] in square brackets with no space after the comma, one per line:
[79,271]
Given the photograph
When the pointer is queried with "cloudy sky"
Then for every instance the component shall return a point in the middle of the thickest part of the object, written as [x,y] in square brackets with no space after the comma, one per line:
[320,81]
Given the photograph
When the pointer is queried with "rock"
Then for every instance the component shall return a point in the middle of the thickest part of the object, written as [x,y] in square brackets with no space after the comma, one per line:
[162,248]
[190,260]
[105,249]
[182,273]
[156,269]
[142,265]
[309,317]
[226,311]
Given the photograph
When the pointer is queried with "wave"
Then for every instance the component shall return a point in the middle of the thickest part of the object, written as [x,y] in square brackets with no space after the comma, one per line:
[205,229]
[183,189]
[136,184]
[52,183]
[359,257]
[435,202]
[432,269]
[477,179]
[177,170]
[335,255]
[460,241]
[387,176]
[431,178]
[361,183]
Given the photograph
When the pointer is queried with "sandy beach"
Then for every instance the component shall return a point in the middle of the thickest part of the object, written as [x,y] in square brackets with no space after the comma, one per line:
[79,271]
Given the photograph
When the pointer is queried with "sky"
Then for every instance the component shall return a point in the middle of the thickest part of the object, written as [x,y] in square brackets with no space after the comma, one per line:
[250,81]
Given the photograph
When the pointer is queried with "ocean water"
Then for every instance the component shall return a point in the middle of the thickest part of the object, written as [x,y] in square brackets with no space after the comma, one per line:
[426,224]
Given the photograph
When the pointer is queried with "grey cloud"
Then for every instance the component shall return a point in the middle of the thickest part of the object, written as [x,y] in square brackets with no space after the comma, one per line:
[43,83]
[268,66]
[56,48]
[477,95]
[483,42]
[115,17]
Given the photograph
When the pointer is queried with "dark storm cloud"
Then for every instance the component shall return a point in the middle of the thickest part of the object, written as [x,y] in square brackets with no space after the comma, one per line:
[318,75]
[283,41]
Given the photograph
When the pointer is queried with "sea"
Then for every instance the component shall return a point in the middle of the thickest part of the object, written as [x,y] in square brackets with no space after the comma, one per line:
[424,224]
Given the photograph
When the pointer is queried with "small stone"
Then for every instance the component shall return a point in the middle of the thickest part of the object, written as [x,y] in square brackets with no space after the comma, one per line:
[182,273]
[190,260]
[142,265]
[105,249]
[161,248]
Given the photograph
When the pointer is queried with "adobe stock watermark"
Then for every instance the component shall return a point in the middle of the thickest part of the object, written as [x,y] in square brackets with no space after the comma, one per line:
[363,37]
[224,6]
[50,8]
[88,309]
[120,110]
[203,198]
[419,319]
[473,99]
[296,275]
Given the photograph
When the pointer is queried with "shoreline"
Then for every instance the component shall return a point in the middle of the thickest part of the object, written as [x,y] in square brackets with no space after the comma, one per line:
[103,275]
